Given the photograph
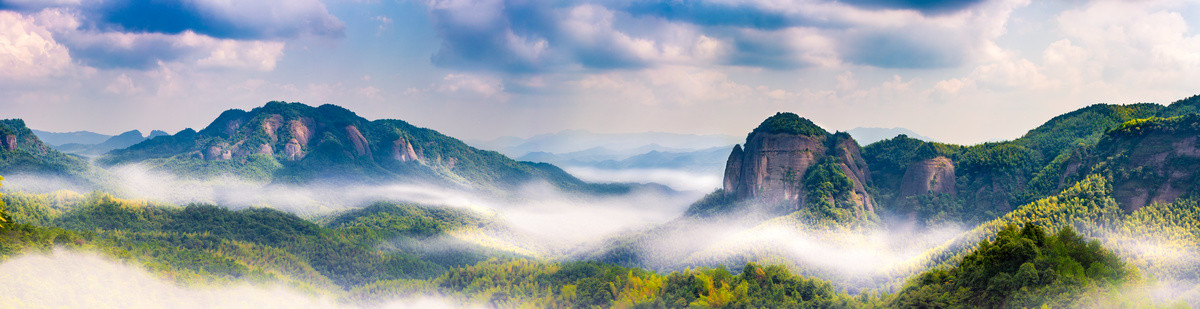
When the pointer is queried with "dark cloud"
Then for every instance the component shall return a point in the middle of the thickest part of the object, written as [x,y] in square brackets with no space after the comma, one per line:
[905,49]
[712,14]
[491,35]
[223,19]
[925,6]
[268,19]
[765,52]
[523,36]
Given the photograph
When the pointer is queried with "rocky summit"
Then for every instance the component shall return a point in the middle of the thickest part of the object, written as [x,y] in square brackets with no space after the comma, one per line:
[791,162]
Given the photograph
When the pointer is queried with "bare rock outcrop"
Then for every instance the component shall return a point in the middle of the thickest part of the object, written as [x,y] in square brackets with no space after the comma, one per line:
[272,124]
[403,151]
[301,130]
[10,142]
[293,151]
[934,175]
[266,149]
[771,166]
[357,140]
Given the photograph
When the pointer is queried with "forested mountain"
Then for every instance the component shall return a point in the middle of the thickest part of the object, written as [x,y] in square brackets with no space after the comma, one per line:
[991,179]
[21,152]
[297,143]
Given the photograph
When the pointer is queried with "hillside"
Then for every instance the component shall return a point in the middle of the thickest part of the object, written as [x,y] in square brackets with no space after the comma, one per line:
[297,143]
[21,152]
[991,179]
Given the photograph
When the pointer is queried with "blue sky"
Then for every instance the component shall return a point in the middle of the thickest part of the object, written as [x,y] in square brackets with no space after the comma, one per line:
[958,71]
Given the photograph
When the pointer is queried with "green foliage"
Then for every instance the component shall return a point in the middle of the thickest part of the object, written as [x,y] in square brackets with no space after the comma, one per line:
[518,283]
[789,123]
[27,154]
[830,193]
[1022,268]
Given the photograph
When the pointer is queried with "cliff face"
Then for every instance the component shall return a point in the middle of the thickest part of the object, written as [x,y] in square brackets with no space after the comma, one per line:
[935,175]
[774,165]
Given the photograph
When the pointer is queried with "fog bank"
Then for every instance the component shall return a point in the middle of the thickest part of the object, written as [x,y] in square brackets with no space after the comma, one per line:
[66,279]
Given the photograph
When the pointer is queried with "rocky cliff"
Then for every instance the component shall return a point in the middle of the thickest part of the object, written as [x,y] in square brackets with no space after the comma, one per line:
[1155,160]
[774,165]
[935,175]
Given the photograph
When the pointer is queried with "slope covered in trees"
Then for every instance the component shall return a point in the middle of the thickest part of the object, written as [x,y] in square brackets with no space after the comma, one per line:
[297,143]
[21,152]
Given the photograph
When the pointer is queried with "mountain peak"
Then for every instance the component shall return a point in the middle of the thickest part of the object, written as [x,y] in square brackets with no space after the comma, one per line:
[789,123]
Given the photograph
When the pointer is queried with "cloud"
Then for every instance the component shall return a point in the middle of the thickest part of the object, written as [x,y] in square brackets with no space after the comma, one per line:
[50,30]
[676,179]
[28,50]
[925,6]
[525,37]
[66,279]
[270,19]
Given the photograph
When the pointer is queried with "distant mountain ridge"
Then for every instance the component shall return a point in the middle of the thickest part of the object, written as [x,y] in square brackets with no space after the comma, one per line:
[78,137]
[615,146]
[293,142]
[22,152]
[119,141]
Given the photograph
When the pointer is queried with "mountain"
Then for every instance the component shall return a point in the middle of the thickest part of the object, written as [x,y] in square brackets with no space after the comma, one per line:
[22,152]
[1152,160]
[293,142]
[789,161]
[78,137]
[991,179]
[703,160]
[616,146]
[120,141]
[867,136]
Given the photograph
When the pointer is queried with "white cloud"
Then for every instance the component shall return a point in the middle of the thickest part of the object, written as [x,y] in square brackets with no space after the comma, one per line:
[28,51]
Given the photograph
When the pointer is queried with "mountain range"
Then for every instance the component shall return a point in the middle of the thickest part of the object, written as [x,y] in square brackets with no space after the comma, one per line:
[1082,203]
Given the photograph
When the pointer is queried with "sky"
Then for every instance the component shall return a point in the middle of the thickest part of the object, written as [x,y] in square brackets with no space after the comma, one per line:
[957,71]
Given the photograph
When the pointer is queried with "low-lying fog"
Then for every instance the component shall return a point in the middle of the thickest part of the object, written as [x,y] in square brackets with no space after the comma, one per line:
[676,179]
[66,279]
[555,221]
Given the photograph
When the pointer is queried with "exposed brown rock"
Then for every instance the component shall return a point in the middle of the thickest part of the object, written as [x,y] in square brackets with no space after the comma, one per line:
[301,130]
[451,162]
[357,140]
[935,175]
[272,124]
[10,142]
[292,151]
[232,126]
[266,149]
[771,168]
[213,153]
[402,150]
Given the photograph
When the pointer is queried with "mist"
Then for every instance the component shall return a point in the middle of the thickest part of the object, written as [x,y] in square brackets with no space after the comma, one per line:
[536,219]
[66,279]
[675,179]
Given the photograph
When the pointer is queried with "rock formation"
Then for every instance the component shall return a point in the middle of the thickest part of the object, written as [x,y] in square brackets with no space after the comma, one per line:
[935,175]
[777,156]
